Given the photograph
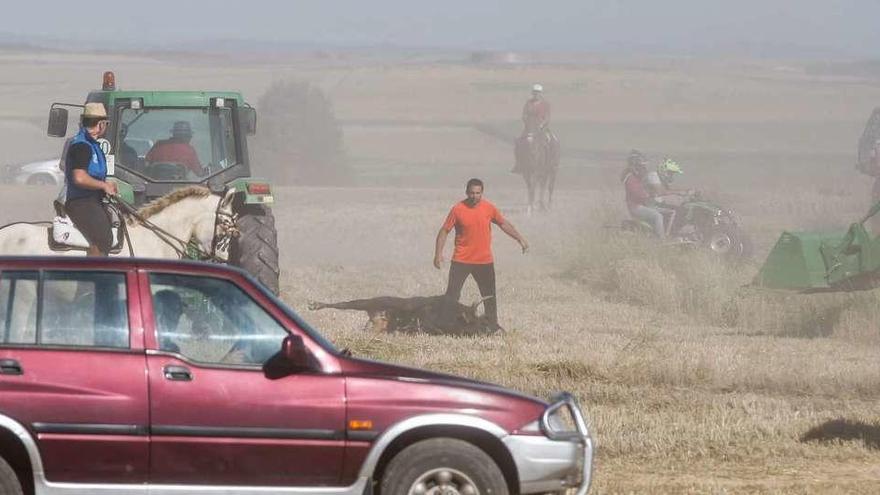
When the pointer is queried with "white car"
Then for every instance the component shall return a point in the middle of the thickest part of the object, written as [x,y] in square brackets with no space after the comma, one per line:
[44,172]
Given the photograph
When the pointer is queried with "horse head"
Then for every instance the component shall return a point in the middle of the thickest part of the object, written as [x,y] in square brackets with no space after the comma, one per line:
[214,232]
[184,215]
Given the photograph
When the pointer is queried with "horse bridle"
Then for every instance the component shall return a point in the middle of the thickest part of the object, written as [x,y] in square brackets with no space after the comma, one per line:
[224,231]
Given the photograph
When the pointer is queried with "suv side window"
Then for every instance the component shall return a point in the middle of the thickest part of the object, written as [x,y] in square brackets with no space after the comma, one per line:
[68,308]
[18,308]
[212,321]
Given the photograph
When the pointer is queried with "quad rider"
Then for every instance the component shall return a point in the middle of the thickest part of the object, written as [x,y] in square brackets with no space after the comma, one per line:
[639,201]
[875,172]
[536,124]
[659,181]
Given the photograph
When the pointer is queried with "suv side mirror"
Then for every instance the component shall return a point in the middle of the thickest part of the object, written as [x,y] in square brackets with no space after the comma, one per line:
[294,351]
[248,120]
[57,122]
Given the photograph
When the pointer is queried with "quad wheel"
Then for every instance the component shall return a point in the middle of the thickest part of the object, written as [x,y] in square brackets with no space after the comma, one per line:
[256,248]
[729,241]
[442,466]
[9,484]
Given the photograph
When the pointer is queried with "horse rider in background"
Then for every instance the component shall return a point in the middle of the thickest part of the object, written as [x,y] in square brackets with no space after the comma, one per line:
[536,122]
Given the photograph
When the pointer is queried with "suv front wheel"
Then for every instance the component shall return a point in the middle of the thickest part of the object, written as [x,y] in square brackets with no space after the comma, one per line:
[443,465]
[9,484]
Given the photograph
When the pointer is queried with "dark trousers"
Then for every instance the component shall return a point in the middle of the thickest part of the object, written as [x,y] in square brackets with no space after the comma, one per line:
[484,275]
[91,218]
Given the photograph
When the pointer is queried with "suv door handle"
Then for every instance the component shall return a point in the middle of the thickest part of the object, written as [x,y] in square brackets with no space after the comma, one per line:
[10,367]
[177,373]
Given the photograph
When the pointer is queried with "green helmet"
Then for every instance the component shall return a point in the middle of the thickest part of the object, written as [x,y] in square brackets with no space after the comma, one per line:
[669,167]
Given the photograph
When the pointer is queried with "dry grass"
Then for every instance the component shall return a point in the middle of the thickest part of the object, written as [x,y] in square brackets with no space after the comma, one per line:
[693,384]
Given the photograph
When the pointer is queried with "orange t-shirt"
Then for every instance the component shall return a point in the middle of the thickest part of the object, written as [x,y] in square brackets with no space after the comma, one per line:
[473,231]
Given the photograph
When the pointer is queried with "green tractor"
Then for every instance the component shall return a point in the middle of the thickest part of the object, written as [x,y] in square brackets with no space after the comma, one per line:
[216,125]
[814,262]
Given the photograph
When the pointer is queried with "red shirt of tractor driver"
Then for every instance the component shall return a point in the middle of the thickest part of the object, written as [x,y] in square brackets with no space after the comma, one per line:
[177,149]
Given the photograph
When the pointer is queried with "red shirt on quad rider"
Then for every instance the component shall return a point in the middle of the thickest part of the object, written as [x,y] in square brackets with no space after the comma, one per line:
[639,201]
[177,149]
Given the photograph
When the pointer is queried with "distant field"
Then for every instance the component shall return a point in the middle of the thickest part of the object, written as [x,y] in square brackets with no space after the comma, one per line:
[692,383]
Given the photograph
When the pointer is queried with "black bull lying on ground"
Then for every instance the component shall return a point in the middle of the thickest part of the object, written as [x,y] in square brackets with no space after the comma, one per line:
[416,314]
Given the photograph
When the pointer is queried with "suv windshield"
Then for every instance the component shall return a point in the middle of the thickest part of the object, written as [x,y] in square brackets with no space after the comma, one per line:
[176,144]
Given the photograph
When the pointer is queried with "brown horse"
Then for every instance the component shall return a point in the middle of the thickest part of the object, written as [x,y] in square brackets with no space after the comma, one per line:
[537,159]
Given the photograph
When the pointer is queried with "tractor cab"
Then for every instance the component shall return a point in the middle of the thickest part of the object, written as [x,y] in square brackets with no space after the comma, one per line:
[159,141]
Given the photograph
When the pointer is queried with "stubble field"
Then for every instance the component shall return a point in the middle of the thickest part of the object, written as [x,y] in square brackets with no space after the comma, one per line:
[693,384]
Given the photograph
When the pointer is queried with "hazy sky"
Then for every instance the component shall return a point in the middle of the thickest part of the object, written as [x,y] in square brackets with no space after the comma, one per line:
[835,27]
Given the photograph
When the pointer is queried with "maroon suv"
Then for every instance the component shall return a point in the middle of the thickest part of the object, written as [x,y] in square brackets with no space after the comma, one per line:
[145,376]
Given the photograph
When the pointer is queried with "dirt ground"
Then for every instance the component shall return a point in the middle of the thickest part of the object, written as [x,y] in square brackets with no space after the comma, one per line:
[692,383]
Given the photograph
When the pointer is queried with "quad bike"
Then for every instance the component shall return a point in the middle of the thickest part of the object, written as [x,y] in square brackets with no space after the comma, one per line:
[702,223]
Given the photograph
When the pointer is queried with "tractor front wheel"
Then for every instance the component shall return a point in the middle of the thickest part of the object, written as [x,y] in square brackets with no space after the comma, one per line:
[256,248]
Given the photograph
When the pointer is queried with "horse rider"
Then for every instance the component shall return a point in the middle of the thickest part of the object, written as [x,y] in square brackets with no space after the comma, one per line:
[536,120]
[85,178]
[659,181]
[639,201]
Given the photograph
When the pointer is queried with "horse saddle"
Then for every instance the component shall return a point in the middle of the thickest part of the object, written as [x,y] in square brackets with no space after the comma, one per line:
[64,236]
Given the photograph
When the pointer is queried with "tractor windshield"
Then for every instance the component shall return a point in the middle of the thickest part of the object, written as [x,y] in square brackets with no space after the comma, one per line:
[176,144]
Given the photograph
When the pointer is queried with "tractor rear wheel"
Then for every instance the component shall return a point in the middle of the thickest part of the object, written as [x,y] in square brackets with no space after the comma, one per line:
[256,248]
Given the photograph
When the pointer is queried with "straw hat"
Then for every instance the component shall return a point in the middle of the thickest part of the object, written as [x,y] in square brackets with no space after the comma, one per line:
[94,111]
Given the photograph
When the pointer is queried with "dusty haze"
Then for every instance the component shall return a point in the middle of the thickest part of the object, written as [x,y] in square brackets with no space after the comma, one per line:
[693,384]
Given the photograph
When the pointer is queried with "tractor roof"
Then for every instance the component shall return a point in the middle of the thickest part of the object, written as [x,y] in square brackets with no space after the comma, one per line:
[166,98]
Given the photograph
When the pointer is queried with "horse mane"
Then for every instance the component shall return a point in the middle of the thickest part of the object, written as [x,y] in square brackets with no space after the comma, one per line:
[162,202]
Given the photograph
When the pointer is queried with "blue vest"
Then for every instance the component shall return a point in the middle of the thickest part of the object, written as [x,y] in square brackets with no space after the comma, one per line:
[97,167]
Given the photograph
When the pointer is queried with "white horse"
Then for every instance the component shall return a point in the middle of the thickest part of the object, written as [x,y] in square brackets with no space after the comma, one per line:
[160,229]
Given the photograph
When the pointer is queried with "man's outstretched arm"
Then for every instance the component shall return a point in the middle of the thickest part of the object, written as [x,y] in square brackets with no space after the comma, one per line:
[438,247]
[510,230]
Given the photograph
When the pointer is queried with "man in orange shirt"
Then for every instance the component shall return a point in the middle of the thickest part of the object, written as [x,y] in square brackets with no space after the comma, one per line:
[473,219]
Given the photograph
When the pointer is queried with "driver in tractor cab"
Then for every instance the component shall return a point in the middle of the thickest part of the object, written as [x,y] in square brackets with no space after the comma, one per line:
[639,201]
[177,149]
[536,120]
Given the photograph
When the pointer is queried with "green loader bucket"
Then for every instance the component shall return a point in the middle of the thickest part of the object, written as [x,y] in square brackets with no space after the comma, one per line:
[796,263]
[813,262]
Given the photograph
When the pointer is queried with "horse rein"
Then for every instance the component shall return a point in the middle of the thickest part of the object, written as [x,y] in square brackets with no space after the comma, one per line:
[225,221]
